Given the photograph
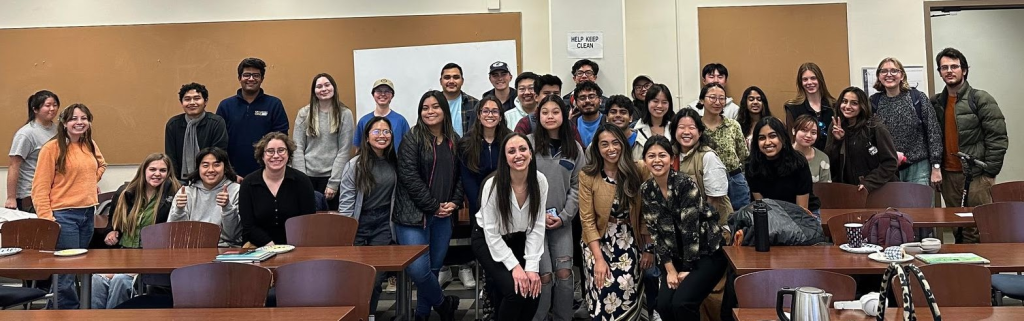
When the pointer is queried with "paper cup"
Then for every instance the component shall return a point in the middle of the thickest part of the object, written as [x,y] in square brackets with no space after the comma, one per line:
[894,253]
[853,234]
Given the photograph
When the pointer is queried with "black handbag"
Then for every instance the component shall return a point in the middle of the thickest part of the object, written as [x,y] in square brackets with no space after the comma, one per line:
[908,299]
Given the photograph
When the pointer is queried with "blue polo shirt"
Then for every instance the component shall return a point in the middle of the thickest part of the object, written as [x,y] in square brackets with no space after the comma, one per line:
[247,123]
[399,126]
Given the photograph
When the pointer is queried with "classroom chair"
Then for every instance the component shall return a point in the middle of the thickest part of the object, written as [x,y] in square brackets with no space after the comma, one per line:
[28,234]
[327,229]
[954,285]
[901,194]
[837,228]
[1000,222]
[759,289]
[839,195]
[1008,192]
[316,283]
[169,235]
[221,285]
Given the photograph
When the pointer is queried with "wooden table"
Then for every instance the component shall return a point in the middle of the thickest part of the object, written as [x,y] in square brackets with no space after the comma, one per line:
[948,313]
[923,217]
[383,258]
[239,314]
[1005,257]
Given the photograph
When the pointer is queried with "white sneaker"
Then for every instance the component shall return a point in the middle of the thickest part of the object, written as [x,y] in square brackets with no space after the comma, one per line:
[445,276]
[392,285]
[655,316]
[467,277]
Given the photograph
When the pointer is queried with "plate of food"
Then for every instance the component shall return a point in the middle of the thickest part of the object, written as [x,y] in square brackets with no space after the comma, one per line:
[865,248]
[70,252]
[278,248]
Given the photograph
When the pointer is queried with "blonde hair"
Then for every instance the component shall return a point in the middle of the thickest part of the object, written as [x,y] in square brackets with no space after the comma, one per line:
[904,85]
[801,96]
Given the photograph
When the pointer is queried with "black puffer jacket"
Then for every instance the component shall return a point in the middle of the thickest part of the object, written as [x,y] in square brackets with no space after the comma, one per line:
[415,167]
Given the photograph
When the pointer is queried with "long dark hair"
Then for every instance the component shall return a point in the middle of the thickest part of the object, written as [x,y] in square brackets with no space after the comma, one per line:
[653,93]
[473,142]
[789,160]
[364,165]
[745,117]
[865,114]
[702,142]
[501,188]
[628,181]
[421,132]
[64,139]
[565,134]
[37,100]
[313,124]
[220,155]
[704,93]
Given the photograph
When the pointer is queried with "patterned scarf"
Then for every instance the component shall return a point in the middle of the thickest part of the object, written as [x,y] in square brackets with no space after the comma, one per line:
[190,148]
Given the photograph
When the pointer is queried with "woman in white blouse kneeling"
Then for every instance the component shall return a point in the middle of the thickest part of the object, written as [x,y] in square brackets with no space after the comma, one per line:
[509,239]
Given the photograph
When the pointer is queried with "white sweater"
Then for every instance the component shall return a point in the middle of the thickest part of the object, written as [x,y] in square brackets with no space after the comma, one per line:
[488,220]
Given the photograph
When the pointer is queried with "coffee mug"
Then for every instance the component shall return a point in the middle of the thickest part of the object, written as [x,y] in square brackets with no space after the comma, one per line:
[894,253]
[931,245]
[853,234]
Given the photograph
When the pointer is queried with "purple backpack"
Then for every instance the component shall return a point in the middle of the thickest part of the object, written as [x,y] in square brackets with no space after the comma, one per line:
[889,228]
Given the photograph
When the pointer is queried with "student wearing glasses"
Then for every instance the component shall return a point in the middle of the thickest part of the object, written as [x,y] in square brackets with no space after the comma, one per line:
[526,99]
[250,115]
[813,99]
[718,74]
[383,92]
[582,70]
[323,138]
[588,95]
[271,195]
[728,140]
[640,86]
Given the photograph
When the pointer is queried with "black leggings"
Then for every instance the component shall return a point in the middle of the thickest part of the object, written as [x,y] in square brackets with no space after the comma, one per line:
[683,303]
[510,306]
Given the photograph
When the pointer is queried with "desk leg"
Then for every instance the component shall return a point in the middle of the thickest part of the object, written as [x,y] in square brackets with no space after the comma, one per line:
[56,294]
[85,294]
[404,298]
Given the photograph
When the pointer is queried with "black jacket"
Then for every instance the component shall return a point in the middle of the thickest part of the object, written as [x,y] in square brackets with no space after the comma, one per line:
[415,167]
[211,132]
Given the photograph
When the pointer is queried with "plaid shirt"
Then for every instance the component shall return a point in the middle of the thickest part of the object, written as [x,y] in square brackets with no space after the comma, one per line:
[468,112]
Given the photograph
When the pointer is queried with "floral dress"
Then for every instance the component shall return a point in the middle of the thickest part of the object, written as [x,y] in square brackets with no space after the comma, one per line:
[622,298]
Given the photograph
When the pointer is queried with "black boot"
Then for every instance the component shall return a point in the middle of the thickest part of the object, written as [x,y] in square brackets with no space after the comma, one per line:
[447,308]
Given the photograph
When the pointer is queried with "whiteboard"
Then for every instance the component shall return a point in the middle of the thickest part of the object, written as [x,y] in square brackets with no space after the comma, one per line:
[915,77]
[415,70]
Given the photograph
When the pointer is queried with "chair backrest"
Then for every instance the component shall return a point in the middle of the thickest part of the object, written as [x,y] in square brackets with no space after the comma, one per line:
[954,285]
[183,234]
[321,230]
[221,285]
[1000,222]
[316,283]
[901,194]
[30,234]
[1008,192]
[759,289]
[839,195]
[102,216]
[836,224]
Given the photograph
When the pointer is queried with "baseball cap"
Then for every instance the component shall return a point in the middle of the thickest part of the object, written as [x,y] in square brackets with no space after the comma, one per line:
[499,65]
[383,82]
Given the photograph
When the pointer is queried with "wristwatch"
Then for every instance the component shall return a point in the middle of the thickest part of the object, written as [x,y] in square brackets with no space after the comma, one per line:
[935,166]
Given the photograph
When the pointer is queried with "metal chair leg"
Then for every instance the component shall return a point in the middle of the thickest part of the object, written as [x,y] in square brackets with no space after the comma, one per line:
[476,291]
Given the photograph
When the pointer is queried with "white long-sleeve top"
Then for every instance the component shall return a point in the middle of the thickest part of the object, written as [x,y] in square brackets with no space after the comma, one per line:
[489,221]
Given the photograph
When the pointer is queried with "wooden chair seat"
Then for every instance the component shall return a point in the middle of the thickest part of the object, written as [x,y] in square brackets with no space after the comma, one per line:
[319,283]
[1000,222]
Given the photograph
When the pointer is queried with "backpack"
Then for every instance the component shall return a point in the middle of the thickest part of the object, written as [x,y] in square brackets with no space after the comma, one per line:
[889,228]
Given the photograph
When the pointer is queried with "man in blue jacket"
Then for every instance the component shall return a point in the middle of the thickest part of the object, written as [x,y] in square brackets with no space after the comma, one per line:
[249,115]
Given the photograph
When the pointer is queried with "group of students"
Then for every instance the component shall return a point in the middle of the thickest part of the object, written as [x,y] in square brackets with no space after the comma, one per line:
[642,190]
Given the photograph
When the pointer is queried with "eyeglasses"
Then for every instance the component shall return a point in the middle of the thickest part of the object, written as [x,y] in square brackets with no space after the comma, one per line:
[643,86]
[380,132]
[582,73]
[252,75]
[383,91]
[713,98]
[489,111]
[587,97]
[949,67]
[525,88]
[271,151]
[893,71]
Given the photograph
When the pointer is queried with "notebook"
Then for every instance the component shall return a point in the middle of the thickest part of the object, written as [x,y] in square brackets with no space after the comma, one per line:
[952,258]
[250,256]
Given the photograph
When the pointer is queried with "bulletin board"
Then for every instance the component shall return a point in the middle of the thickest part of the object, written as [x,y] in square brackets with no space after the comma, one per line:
[765,45]
[129,76]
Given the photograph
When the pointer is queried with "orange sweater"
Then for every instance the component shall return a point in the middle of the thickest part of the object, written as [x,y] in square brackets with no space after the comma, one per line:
[75,188]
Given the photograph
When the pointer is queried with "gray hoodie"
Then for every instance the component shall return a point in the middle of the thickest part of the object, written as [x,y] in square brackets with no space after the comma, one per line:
[202,207]
[563,180]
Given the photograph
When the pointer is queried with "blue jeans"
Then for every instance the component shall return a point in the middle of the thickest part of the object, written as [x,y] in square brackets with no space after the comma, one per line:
[109,293]
[423,271]
[918,173]
[76,227]
[739,191]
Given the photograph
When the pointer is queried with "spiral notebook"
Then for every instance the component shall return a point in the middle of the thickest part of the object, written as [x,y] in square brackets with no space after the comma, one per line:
[970,258]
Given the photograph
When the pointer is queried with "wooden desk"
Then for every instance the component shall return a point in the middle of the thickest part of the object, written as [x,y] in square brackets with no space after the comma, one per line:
[239,314]
[923,217]
[949,313]
[383,258]
[1005,257]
